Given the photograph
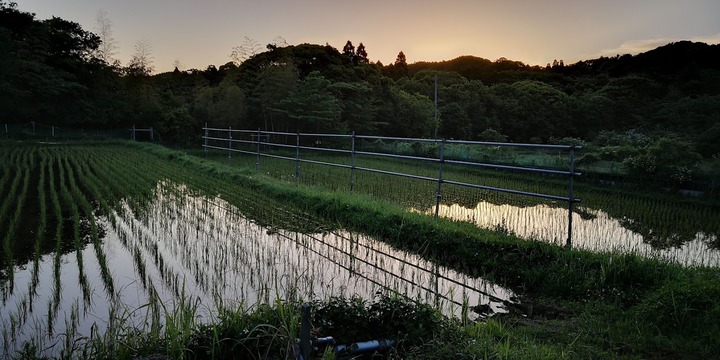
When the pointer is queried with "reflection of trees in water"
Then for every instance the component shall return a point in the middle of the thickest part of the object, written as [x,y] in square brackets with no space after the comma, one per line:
[23,249]
[662,238]
[662,223]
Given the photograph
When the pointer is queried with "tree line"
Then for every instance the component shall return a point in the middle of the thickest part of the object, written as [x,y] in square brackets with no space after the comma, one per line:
[54,71]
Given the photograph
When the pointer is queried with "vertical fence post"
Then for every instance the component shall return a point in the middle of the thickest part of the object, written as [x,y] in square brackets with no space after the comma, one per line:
[352,163]
[440,178]
[305,328]
[436,272]
[257,155]
[297,156]
[7,133]
[52,130]
[206,141]
[229,145]
[132,135]
[570,196]
[152,134]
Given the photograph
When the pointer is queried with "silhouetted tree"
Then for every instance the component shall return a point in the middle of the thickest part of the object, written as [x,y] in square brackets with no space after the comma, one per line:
[246,50]
[349,50]
[108,45]
[361,55]
[401,60]
[141,63]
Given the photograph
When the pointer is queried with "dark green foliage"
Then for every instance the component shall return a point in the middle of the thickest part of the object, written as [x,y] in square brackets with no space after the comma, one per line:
[389,317]
[48,74]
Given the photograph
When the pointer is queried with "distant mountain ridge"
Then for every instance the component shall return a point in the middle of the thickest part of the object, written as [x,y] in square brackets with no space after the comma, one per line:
[664,60]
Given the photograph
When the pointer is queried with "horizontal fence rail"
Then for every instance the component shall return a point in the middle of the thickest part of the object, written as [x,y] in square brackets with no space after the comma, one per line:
[37,130]
[262,141]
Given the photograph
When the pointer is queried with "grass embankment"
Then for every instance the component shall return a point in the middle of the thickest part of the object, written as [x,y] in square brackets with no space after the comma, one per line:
[574,303]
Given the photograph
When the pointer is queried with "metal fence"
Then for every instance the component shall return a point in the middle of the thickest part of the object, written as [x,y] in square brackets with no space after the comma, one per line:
[259,143]
[36,130]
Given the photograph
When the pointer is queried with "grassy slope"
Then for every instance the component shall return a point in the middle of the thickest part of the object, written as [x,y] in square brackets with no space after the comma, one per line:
[576,302]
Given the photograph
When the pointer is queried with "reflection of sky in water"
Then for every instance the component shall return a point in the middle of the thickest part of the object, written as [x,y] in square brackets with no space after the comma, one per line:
[600,233]
[213,255]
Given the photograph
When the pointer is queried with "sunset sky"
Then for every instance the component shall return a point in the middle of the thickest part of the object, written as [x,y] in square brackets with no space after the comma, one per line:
[199,33]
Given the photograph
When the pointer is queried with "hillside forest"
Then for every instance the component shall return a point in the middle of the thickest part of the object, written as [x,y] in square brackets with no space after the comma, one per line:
[658,112]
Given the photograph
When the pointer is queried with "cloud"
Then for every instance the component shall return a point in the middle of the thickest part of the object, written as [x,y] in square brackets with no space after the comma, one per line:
[638,46]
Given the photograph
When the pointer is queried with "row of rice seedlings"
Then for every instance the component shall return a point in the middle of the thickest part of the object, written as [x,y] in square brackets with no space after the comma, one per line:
[25,303]
[76,196]
[167,320]
[14,222]
[67,176]
[11,160]
[133,240]
[42,200]
[11,195]
[51,314]
[138,184]
[102,185]
[13,321]
[57,208]
[90,182]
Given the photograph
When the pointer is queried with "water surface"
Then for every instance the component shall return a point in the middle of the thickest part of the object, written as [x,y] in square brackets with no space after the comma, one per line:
[183,247]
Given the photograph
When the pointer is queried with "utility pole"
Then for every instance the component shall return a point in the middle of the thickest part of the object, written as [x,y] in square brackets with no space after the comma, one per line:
[437,125]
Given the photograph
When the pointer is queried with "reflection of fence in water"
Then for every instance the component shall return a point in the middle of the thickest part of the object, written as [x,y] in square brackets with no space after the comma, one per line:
[227,257]
[353,258]
[402,272]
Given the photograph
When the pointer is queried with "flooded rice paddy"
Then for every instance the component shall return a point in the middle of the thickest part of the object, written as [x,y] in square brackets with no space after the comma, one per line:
[593,230]
[181,248]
